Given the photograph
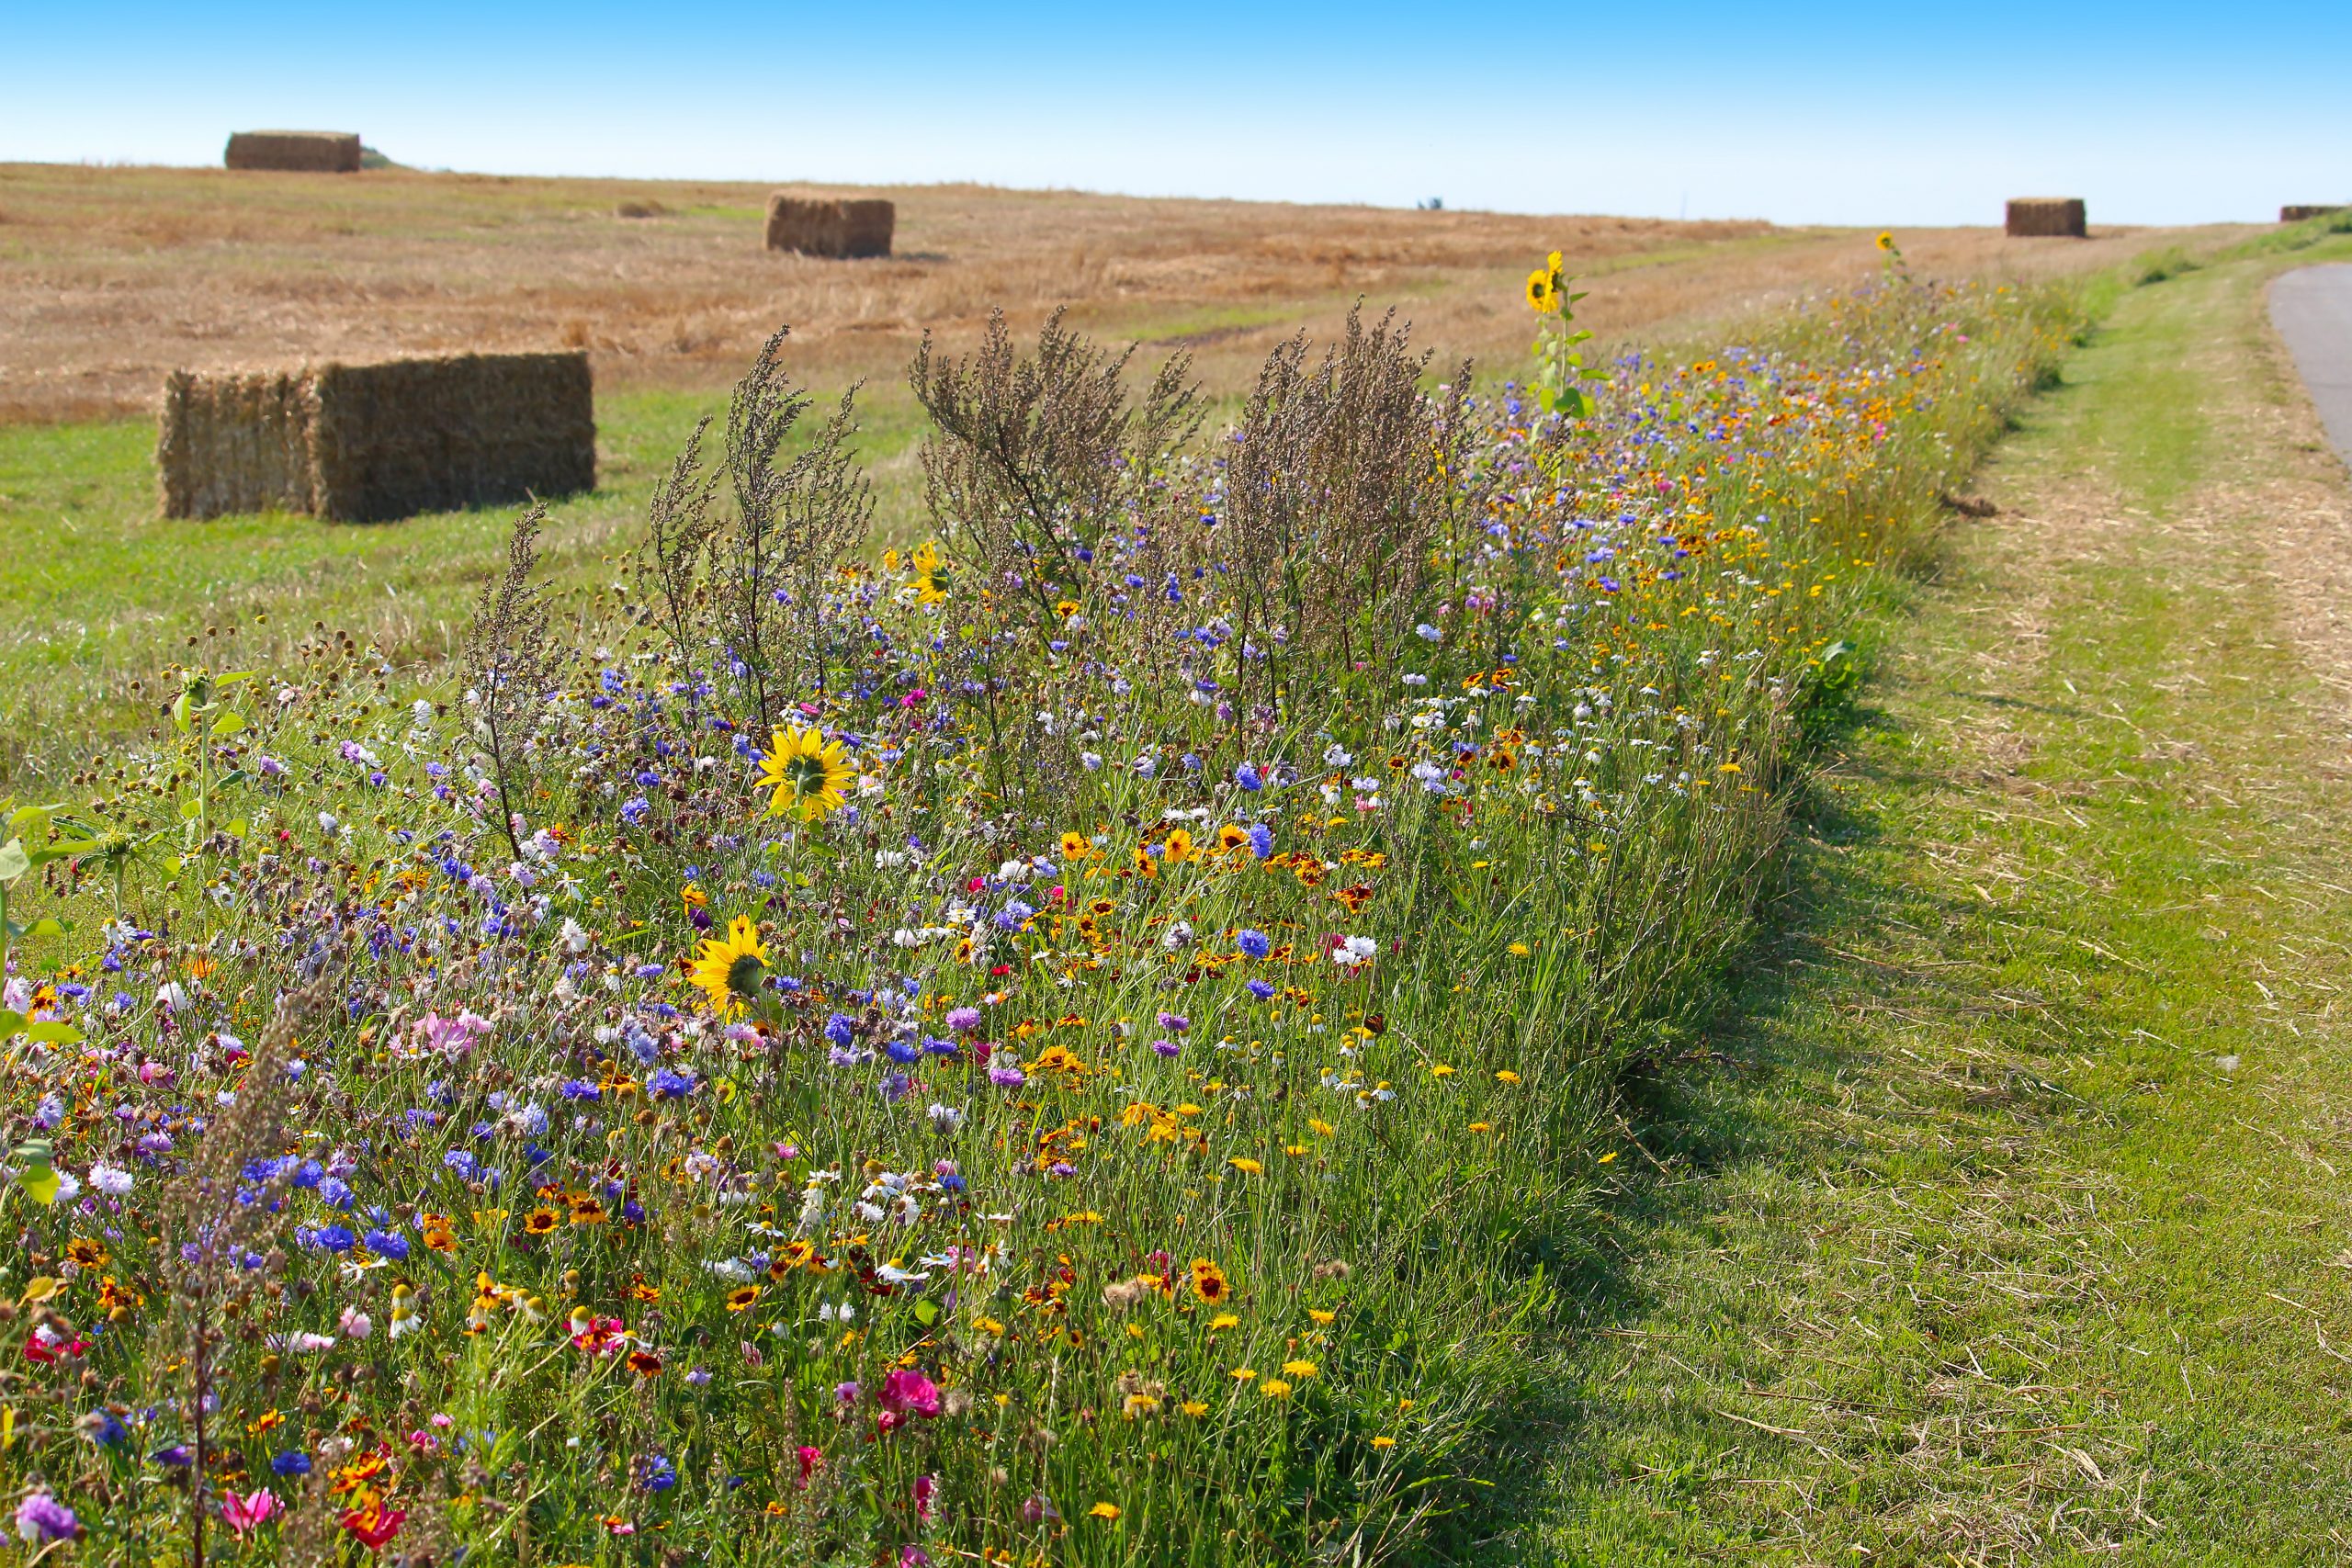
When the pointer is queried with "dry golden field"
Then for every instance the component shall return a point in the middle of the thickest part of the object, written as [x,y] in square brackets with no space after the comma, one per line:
[111,276]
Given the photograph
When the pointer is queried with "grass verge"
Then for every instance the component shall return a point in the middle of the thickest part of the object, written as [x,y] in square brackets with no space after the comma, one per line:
[2004,1218]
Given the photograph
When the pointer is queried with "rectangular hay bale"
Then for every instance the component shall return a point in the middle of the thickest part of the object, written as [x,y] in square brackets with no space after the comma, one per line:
[307,152]
[2047,217]
[830,226]
[2297,214]
[368,443]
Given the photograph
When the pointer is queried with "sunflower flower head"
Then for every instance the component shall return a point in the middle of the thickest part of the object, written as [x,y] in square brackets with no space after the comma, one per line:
[805,772]
[932,576]
[729,968]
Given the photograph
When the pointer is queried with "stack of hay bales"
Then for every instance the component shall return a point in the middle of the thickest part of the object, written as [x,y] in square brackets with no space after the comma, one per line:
[308,152]
[2047,217]
[367,443]
[2297,214]
[830,226]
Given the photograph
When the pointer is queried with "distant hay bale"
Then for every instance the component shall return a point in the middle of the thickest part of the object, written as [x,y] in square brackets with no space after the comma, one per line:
[640,210]
[2047,217]
[2297,214]
[309,152]
[368,443]
[830,226]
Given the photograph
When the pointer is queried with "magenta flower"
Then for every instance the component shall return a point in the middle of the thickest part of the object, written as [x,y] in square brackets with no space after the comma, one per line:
[249,1512]
[908,1393]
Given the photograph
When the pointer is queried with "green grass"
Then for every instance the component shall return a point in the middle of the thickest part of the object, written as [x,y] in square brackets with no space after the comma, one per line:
[2004,1219]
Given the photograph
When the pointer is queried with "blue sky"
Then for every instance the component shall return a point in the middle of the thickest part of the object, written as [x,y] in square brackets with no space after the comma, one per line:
[1887,113]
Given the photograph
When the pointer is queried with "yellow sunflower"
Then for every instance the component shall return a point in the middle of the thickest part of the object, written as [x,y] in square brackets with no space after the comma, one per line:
[1538,291]
[805,771]
[1885,241]
[931,575]
[730,968]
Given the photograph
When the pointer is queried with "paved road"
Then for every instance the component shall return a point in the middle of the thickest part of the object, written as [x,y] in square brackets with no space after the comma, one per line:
[2313,310]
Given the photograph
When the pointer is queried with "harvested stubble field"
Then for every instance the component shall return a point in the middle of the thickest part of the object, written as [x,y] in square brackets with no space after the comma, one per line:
[110,279]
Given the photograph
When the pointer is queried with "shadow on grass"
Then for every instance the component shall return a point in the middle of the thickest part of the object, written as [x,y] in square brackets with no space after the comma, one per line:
[1705,1109]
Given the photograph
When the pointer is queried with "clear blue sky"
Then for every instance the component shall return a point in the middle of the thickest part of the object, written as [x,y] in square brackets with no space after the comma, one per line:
[1885,113]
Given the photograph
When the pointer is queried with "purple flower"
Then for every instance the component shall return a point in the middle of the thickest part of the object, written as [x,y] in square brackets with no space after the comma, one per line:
[634,812]
[1247,777]
[1007,1077]
[1261,990]
[841,1029]
[1254,944]
[1166,1047]
[1262,839]
[963,1021]
[42,1518]
[1174,1023]
[845,1393]
[669,1083]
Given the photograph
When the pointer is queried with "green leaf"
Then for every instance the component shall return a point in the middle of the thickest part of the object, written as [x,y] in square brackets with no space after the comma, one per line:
[183,707]
[47,925]
[236,829]
[926,1312]
[55,1034]
[26,818]
[190,809]
[11,1023]
[228,723]
[14,860]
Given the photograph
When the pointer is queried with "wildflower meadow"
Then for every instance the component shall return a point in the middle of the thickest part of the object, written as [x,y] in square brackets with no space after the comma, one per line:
[1088,1039]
